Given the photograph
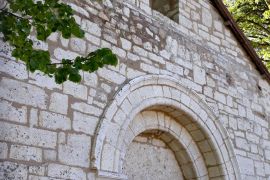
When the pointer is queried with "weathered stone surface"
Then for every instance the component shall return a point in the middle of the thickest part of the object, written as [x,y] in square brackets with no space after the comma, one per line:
[91,27]
[62,54]
[246,165]
[111,76]
[38,170]
[28,136]
[86,108]
[25,153]
[10,170]
[41,80]
[50,155]
[78,45]
[76,90]
[199,75]
[54,121]
[58,103]
[3,150]
[11,113]
[77,150]
[215,83]
[65,172]
[84,123]
[13,68]
[23,93]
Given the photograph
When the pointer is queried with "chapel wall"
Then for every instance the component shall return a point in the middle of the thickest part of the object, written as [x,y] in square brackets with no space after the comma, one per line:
[47,130]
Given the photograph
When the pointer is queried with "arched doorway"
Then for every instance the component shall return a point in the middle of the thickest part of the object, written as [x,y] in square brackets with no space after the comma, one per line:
[196,131]
[179,150]
[150,157]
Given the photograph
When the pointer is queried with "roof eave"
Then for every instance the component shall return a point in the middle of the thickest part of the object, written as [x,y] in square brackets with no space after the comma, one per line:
[226,15]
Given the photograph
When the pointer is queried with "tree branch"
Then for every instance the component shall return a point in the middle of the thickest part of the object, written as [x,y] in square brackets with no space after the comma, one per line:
[15,15]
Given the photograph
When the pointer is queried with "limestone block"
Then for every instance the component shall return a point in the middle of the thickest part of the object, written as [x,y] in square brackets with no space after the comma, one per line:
[49,155]
[175,68]
[27,136]
[13,68]
[107,160]
[65,42]
[10,170]
[3,150]
[91,27]
[210,159]
[90,79]
[220,97]
[207,18]
[79,9]
[119,52]
[145,7]
[33,119]
[26,153]
[126,11]
[242,111]
[38,78]
[110,38]
[214,172]
[156,58]
[149,32]
[126,44]
[92,39]
[10,113]
[62,54]
[246,165]
[59,103]
[23,93]
[164,53]
[149,68]
[84,123]
[76,151]
[185,99]
[54,121]
[65,172]
[53,37]
[267,154]
[78,45]
[38,170]
[86,108]
[111,76]
[139,51]
[137,40]
[259,166]
[35,177]
[171,45]
[91,176]
[76,90]
[199,75]
[185,22]
[132,57]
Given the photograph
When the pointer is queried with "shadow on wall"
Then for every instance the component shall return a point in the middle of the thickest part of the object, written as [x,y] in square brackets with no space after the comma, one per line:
[169,8]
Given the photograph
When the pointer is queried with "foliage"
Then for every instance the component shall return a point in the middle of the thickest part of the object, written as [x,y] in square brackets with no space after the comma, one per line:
[20,18]
[253,17]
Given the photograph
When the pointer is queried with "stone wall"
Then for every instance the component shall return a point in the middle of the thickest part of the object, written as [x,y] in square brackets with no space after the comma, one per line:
[194,71]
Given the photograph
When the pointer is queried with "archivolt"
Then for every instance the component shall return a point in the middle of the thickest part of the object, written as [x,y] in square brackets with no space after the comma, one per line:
[161,93]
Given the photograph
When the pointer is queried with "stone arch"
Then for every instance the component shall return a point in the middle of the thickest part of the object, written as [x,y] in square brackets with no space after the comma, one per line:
[166,94]
[174,135]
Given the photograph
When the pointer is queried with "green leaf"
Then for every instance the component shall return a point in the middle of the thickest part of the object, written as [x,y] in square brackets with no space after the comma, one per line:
[45,17]
[76,77]
[110,59]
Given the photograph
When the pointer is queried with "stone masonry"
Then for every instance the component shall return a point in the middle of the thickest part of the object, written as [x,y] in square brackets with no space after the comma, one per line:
[185,96]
